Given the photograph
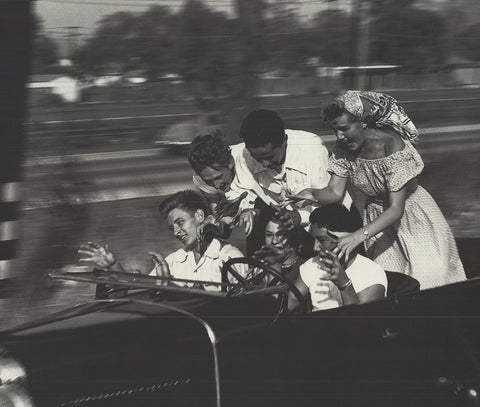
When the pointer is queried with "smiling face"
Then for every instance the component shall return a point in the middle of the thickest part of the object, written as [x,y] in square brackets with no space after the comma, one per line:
[218,176]
[350,133]
[275,236]
[184,225]
[268,155]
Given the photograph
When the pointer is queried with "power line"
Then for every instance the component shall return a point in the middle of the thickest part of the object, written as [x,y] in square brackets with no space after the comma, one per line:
[116,4]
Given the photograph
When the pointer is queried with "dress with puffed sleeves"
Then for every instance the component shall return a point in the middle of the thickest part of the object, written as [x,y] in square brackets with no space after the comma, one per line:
[421,244]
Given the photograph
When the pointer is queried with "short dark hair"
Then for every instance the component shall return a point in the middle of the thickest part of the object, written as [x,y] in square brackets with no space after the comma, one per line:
[207,150]
[187,200]
[336,217]
[334,109]
[261,127]
[298,237]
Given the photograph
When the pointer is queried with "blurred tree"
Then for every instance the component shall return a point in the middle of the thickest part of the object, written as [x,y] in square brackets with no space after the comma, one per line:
[288,44]
[155,43]
[114,41]
[404,35]
[45,50]
[331,38]
[466,43]
[205,47]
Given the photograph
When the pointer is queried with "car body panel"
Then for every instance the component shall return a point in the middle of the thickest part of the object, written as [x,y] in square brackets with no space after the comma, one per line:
[419,348]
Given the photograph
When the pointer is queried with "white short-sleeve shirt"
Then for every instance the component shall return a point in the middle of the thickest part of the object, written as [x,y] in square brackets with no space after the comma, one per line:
[305,166]
[324,294]
[182,264]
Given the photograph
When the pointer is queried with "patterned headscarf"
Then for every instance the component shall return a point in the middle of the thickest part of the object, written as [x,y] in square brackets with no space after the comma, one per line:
[379,109]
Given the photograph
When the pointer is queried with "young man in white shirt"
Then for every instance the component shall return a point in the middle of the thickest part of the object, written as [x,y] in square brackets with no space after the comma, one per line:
[199,259]
[283,162]
[215,163]
[333,283]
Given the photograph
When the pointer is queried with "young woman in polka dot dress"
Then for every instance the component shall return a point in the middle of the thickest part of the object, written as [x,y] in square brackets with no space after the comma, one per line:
[404,229]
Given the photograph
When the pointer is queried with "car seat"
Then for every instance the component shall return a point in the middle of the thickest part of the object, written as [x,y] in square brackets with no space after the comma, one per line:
[399,283]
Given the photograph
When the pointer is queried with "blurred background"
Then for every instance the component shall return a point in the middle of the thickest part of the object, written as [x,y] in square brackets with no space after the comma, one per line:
[117,90]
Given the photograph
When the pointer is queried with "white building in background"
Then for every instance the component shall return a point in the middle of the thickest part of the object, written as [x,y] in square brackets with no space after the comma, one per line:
[68,88]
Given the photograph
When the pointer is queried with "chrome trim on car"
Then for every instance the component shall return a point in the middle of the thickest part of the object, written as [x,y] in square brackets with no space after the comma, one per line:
[211,336]
[125,392]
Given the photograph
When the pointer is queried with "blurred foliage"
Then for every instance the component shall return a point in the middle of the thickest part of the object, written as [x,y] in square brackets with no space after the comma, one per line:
[466,42]
[404,36]
[218,55]
[45,52]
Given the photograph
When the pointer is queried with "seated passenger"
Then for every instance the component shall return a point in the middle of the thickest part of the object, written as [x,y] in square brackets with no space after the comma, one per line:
[284,250]
[331,282]
[199,259]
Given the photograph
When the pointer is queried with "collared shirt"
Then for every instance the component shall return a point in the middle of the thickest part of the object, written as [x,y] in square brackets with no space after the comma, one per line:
[182,264]
[305,166]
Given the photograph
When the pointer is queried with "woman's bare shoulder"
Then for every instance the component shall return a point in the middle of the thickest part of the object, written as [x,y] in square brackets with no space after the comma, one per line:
[393,142]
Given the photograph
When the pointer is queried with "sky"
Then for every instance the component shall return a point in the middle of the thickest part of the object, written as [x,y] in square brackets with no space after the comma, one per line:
[86,13]
[57,15]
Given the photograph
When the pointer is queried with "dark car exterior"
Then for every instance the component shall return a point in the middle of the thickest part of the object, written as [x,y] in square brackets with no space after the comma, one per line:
[176,349]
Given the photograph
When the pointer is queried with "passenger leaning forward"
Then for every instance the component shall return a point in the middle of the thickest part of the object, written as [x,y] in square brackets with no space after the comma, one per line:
[403,227]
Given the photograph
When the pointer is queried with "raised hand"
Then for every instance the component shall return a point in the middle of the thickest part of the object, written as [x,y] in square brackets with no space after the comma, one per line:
[270,254]
[245,219]
[161,266]
[289,219]
[330,263]
[303,198]
[229,208]
[347,244]
[97,254]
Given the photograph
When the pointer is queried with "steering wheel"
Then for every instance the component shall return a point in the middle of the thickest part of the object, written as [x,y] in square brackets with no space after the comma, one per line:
[266,269]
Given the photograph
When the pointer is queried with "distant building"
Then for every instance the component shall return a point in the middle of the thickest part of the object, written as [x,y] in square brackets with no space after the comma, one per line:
[66,87]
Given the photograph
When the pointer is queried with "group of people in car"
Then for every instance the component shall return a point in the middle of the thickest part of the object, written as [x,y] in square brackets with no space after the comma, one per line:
[291,197]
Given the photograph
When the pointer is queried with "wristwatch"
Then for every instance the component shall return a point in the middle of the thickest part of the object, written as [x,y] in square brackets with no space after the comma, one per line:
[365,233]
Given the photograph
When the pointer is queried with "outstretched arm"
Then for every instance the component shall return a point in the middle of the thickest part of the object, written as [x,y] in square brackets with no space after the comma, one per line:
[332,193]
[391,215]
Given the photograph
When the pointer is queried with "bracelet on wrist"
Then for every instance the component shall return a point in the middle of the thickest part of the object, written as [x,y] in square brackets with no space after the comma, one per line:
[346,285]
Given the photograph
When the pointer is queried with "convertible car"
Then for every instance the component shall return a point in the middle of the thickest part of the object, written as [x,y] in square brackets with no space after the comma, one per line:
[143,343]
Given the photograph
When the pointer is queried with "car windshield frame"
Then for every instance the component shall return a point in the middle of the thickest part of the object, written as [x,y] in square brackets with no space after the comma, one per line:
[142,281]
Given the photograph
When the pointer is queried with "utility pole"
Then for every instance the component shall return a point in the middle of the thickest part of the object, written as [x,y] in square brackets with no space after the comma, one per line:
[363,34]
[251,36]
[72,35]
[251,42]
